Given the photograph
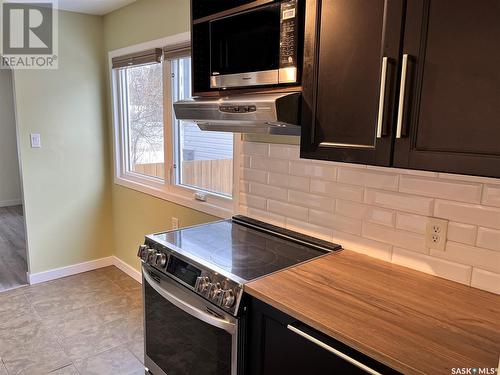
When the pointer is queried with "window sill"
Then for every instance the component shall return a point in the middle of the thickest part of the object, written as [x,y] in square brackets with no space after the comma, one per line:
[173,197]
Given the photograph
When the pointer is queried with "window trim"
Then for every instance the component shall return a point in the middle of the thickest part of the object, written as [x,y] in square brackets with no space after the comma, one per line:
[215,204]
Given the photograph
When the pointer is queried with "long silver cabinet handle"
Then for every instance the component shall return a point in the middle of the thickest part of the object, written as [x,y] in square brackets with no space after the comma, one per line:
[402,88]
[383,78]
[339,354]
[193,311]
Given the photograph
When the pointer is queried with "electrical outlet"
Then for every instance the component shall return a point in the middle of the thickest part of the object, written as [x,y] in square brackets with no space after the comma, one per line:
[437,230]
[175,223]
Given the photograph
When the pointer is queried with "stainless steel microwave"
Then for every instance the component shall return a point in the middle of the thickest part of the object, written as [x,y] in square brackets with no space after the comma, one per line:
[256,47]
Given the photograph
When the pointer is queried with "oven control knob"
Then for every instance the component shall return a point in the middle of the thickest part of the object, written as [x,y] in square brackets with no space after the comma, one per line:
[215,292]
[202,284]
[142,250]
[228,299]
[151,256]
[161,260]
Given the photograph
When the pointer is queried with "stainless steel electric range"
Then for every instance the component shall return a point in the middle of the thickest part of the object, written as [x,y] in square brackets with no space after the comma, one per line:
[193,290]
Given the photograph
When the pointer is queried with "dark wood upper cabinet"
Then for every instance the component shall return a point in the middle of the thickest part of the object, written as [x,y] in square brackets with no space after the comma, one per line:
[354,52]
[450,107]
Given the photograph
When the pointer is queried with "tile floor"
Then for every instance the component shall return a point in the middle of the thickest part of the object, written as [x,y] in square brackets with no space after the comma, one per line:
[90,323]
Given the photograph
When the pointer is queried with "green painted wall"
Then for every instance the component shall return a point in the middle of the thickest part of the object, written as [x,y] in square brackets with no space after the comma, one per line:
[145,20]
[136,214]
[67,181]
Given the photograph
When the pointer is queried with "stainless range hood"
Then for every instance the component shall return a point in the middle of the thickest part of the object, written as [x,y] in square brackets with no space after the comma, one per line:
[253,113]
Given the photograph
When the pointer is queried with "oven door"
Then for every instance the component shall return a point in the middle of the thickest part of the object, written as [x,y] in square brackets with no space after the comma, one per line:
[184,334]
[245,48]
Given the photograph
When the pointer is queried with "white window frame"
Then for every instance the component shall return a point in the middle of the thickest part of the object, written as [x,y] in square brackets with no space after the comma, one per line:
[215,204]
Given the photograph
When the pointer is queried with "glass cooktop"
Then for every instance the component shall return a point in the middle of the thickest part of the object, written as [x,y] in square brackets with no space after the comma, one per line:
[243,251]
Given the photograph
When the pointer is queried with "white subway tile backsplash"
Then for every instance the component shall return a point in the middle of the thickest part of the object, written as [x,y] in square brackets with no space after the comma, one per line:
[438,188]
[336,190]
[400,171]
[288,210]
[434,266]
[336,222]
[290,182]
[398,201]
[362,245]
[267,191]
[255,148]
[351,209]
[488,238]
[461,177]
[311,200]
[381,216]
[468,213]
[254,175]
[309,229]
[284,152]
[244,186]
[245,161]
[325,172]
[266,216]
[253,201]
[463,233]
[411,223]
[368,178]
[372,209]
[404,239]
[470,255]
[365,212]
[486,280]
[267,164]
[491,195]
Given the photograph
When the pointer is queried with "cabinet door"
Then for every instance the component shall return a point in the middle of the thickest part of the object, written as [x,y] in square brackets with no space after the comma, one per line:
[278,344]
[348,109]
[449,115]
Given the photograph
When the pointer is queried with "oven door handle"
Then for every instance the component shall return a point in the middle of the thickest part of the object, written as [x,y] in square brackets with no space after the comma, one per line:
[191,310]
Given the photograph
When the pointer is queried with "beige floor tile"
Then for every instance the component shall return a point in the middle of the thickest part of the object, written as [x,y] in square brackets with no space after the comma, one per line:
[112,273]
[95,340]
[68,370]
[117,361]
[136,347]
[128,284]
[71,323]
[34,355]
[91,318]
[13,305]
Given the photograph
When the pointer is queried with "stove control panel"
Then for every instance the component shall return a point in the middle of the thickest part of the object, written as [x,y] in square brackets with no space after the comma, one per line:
[220,291]
[211,285]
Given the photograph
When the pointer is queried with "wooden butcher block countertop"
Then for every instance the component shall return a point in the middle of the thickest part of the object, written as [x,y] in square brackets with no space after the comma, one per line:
[413,322]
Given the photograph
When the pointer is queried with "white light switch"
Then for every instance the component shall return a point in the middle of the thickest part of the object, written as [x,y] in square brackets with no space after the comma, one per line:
[36,141]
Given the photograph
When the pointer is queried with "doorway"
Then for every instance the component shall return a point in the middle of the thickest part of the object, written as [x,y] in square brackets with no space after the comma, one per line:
[13,259]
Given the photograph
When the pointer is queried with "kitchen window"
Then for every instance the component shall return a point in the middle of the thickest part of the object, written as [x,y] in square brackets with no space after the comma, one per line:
[154,152]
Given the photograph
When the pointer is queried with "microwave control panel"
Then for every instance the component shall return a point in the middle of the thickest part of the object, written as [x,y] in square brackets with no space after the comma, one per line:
[288,37]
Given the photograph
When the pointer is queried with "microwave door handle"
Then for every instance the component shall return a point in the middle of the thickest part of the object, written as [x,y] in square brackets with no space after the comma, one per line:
[193,311]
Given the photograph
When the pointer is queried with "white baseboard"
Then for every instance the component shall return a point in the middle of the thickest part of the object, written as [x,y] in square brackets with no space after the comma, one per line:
[12,202]
[128,269]
[57,273]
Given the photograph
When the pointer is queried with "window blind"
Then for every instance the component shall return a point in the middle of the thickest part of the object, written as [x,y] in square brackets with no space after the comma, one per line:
[139,58]
[177,51]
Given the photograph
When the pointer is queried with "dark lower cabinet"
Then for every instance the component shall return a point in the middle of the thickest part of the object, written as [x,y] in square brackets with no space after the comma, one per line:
[434,104]
[278,344]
